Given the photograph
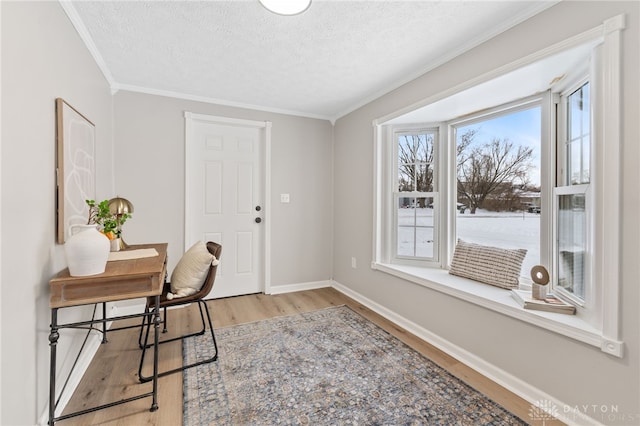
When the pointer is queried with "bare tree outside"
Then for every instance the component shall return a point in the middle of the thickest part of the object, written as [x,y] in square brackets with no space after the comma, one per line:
[492,168]
[415,162]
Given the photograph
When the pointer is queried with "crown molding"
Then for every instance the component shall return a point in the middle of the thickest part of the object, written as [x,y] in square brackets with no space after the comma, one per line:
[208,100]
[77,23]
[535,8]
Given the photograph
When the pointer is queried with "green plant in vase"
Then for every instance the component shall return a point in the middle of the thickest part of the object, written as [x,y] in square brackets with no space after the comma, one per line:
[110,224]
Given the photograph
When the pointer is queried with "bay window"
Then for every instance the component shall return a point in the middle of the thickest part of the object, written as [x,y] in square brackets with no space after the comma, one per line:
[519,158]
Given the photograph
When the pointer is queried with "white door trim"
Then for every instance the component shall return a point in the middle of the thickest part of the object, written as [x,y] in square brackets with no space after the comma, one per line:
[191,117]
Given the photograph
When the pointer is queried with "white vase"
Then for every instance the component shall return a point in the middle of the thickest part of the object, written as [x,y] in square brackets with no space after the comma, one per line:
[87,251]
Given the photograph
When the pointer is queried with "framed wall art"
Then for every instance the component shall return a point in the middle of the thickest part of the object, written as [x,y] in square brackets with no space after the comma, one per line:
[75,167]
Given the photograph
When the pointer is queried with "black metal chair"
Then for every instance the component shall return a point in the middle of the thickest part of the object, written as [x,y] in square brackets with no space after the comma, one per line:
[216,250]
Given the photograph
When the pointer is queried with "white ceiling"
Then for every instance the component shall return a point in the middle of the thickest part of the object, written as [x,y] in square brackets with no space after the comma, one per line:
[324,63]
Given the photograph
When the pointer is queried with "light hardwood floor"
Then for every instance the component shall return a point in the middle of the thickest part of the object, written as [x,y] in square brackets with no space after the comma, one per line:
[112,374]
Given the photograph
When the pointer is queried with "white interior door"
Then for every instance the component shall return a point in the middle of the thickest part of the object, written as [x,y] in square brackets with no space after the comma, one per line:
[224,198]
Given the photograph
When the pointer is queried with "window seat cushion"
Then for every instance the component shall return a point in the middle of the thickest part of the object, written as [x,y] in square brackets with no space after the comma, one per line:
[486,264]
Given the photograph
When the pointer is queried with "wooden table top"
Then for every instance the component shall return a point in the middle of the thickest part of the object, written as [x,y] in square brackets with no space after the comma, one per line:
[122,279]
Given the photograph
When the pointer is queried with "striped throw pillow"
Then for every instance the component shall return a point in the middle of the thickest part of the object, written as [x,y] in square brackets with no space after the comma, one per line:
[490,265]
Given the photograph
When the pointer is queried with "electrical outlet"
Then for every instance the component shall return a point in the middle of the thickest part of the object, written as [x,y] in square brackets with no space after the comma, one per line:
[284,198]
[354,264]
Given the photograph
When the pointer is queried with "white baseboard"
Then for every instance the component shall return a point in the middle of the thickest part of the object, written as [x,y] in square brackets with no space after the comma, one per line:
[539,400]
[290,288]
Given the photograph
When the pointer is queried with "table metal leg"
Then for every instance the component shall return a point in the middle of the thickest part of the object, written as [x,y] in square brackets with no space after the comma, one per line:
[104,323]
[53,343]
[156,337]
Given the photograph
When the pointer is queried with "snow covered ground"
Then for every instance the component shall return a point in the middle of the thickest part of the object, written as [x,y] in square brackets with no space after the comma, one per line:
[497,229]
[504,230]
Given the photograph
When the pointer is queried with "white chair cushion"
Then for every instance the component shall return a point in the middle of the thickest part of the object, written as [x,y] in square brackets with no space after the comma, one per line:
[190,272]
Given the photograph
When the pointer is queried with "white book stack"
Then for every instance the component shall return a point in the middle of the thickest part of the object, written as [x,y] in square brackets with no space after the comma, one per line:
[549,304]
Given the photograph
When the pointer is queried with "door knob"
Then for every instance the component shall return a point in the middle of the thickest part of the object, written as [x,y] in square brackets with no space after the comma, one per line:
[258,220]
[258,208]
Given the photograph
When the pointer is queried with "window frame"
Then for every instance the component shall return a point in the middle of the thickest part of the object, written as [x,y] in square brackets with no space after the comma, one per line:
[414,129]
[542,100]
[564,186]
[606,101]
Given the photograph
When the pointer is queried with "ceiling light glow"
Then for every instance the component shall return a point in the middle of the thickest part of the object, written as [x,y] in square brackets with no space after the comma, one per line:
[286,7]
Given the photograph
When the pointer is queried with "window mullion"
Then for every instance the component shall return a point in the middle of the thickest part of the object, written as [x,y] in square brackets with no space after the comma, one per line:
[548,175]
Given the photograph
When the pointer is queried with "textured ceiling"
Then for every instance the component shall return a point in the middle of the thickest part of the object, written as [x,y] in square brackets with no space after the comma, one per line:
[324,63]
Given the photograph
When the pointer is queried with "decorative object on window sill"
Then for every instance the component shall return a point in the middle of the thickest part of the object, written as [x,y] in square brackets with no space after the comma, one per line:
[86,250]
[121,209]
[549,304]
[109,215]
[540,277]
[286,7]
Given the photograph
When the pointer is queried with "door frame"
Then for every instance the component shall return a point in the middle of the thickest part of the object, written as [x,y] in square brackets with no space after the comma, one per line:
[190,119]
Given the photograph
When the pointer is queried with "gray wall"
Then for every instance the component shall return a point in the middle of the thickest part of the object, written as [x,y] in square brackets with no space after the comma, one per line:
[589,376]
[42,58]
[149,170]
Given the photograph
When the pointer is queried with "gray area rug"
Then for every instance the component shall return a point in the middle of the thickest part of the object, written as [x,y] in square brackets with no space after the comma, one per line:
[326,367]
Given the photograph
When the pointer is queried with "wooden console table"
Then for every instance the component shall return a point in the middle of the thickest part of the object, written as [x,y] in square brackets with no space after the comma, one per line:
[121,280]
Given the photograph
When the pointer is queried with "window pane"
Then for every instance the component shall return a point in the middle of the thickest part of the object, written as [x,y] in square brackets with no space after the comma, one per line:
[416,162]
[405,179]
[572,247]
[579,136]
[406,241]
[424,246]
[499,187]
[424,178]
[575,162]
[415,227]
[406,213]
[406,163]
[424,212]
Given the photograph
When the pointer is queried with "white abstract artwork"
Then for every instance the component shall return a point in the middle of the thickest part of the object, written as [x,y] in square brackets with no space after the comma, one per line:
[75,139]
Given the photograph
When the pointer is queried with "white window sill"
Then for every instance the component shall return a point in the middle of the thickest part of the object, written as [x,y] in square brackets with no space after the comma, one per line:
[500,300]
